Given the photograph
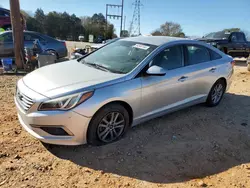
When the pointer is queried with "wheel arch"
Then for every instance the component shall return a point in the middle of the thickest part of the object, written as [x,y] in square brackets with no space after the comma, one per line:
[223,79]
[124,104]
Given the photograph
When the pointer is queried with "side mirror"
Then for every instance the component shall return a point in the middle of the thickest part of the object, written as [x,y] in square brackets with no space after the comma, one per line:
[156,71]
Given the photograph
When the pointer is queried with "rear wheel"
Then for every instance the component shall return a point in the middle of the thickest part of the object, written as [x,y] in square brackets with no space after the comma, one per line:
[108,125]
[216,93]
[248,66]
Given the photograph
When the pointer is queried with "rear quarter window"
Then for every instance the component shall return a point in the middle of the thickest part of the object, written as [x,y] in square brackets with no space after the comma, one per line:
[197,54]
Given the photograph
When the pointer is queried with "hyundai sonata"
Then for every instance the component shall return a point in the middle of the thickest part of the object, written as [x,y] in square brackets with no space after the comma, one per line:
[96,99]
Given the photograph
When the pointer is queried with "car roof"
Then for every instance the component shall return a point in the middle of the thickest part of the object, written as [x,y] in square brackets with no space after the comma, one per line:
[154,40]
[23,31]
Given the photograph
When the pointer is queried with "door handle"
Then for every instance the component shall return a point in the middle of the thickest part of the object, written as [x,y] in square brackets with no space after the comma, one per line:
[182,79]
[212,70]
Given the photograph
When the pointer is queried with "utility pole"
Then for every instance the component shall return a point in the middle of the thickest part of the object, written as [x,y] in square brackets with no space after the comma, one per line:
[121,18]
[17,32]
[118,16]
[124,23]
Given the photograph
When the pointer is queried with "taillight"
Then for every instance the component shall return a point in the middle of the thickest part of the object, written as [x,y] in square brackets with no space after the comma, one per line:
[64,43]
[233,63]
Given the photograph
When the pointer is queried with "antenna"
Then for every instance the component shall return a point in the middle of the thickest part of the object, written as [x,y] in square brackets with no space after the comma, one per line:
[135,26]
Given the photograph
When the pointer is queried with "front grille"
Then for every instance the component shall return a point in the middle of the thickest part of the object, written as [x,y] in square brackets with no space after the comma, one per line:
[24,100]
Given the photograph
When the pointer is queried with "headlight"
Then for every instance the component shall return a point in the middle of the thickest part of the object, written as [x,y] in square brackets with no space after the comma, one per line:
[65,103]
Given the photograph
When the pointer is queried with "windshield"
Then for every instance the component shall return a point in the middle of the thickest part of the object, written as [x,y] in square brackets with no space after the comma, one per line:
[119,57]
[218,35]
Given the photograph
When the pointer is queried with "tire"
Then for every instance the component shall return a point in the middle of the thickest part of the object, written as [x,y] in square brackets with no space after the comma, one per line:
[99,127]
[248,66]
[225,50]
[211,101]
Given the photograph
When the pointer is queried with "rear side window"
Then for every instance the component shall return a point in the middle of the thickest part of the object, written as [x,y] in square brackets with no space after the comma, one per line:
[214,55]
[6,37]
[32,37]
[197,54]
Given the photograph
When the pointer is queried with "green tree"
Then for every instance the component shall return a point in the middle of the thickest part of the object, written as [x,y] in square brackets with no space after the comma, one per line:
[169,29]
[41,19]
[125,33]
[156,33]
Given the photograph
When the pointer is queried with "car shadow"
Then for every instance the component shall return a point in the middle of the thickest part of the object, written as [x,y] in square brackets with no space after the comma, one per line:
[191,143]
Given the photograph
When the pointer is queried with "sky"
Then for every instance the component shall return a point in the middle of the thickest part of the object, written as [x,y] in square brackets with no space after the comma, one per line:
[197,17]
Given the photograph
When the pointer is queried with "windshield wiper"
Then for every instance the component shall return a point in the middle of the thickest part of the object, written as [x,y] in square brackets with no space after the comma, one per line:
[101,67]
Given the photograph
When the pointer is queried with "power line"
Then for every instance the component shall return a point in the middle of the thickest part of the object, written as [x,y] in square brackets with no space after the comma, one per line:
[135,26]
[114,16]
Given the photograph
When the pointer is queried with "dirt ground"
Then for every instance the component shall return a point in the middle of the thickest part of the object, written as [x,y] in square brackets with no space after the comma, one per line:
[194,147]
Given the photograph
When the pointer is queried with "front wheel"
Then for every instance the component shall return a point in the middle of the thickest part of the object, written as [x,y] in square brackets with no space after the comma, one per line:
[216,93]
[108,125]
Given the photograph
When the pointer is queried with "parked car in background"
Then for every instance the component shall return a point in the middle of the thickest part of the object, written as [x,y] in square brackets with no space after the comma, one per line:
[97,46]
[97,98]
[5,20]
[49,44]
[234,43]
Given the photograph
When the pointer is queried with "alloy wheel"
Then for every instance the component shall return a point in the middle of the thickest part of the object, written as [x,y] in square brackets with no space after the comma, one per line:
[111,127]
[217,93]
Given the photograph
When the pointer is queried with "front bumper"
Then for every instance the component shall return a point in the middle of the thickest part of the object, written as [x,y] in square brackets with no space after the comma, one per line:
[73,123]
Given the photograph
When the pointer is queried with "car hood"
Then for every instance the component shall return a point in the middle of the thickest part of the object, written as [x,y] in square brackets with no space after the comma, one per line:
[66,77]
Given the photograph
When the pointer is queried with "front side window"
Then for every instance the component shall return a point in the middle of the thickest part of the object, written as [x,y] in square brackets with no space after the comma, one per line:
[197,54]
[170,58]
[119,57]
[234,37]
[241,37]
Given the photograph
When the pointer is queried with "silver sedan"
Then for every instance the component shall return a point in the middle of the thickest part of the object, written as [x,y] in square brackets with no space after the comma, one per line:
[97,98]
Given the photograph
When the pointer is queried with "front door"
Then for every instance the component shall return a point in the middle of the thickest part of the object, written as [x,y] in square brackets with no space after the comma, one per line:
[160,93]
[237,46]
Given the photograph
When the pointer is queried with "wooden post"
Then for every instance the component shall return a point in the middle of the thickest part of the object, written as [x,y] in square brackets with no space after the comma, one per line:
[17,30]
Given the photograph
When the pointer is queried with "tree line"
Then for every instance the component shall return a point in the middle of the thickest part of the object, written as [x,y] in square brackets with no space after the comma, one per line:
[69,27]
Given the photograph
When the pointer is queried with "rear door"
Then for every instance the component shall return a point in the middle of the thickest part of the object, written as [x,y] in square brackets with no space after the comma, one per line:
[201,66]
[6,45]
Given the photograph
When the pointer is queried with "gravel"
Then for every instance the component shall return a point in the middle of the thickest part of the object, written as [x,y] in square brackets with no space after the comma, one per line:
[194,147]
